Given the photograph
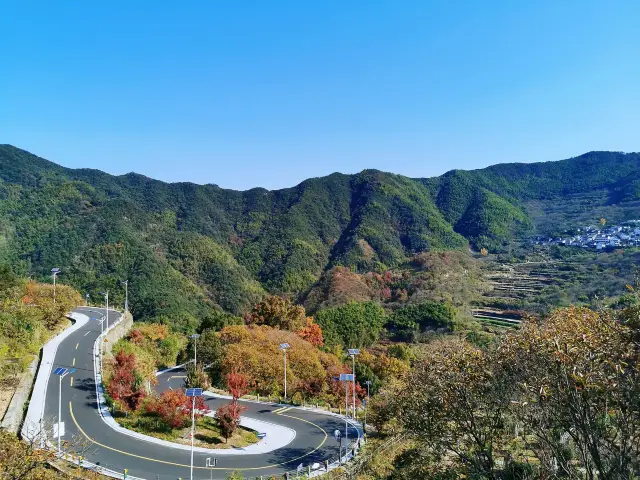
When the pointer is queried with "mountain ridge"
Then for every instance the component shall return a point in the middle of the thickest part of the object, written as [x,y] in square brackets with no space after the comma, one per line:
[222,248]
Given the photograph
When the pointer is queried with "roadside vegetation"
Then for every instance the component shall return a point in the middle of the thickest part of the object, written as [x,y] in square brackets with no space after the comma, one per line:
[557,398]
[28,319]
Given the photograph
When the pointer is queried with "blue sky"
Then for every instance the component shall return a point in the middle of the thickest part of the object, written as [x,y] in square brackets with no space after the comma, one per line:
[246,94]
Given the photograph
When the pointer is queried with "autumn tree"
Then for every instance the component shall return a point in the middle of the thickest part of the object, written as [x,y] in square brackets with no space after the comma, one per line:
[237,385]
[279,313]
[454,404]
[124,385]
[312,333]
[228,417]
[196,377]
[578,382]
[174,408]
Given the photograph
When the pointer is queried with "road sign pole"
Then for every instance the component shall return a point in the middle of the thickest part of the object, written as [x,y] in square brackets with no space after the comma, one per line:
[285,374]
[354,386]
[193,417]
[59,410]
[346,424]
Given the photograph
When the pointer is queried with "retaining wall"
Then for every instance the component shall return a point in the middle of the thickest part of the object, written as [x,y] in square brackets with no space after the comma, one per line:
[118,332]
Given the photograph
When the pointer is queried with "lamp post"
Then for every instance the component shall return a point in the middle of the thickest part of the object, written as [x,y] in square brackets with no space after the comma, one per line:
[86,302]
[106,307]
[346,378]
[193,393]
[126,294]
[283,347]
[195,337]
[368,384]
[353,352]
[61,372]
[54,274]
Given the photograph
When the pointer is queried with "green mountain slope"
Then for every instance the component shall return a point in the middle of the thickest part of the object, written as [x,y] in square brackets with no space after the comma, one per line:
[189,249]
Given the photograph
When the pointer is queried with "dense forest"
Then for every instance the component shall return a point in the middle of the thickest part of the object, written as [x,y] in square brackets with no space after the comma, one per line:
[192,251]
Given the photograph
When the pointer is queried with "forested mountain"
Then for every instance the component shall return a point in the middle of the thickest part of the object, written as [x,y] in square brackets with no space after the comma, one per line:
[189,249]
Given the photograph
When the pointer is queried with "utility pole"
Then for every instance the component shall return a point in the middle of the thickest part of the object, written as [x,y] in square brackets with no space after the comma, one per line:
[366,407]
[195,337]
[106,308]
[54,274]
[283,347]
[353,352]
[346,378]
[126,294]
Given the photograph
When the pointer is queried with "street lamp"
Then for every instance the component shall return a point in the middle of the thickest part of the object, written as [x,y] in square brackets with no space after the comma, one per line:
[346,378]
[353,352]
[283,347]
[126,294]
[368,384]
[193,393]
[195,337]
[87,300]
[54,274]
[106,307]
[61,372]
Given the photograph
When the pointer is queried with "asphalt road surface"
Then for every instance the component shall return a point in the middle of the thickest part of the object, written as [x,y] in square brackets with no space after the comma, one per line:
[102,445]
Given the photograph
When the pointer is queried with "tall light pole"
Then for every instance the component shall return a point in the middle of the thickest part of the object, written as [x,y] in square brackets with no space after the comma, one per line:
[353,352]
[193,393]
[61,372]
[346,378]
[54,274]
[126,294]
[368,384]
[283,347]
[106,307]
[195,337]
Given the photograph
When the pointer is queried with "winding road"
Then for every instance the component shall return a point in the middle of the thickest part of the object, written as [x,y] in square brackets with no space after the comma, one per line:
[107,447]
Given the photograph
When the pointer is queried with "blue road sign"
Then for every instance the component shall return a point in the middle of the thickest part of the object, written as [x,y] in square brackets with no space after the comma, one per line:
[354,351]
[60,371]
[346,377]
[194,392]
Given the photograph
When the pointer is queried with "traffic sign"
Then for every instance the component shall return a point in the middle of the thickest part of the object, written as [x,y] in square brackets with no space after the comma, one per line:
[346,377]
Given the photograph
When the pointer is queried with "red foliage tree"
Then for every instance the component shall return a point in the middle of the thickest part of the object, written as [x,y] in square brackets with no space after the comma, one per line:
[123,386]
[228,417]
[312,333]
[237,385]
[174,408]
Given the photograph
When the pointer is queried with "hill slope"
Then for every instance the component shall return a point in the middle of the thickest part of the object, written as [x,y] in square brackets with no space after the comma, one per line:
[189,249]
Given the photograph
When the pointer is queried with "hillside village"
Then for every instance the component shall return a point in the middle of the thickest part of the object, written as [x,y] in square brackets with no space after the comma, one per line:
[598,238]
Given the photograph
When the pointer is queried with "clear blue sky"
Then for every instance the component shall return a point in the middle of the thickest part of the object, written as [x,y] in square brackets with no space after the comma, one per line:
[269,93]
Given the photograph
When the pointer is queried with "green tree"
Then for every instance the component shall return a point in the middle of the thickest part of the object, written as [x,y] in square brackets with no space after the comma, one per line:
[352,325]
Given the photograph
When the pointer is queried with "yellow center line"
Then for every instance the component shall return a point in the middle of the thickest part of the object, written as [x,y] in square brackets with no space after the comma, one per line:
[201,468]
[77,345]
[73,364]
[71,382]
